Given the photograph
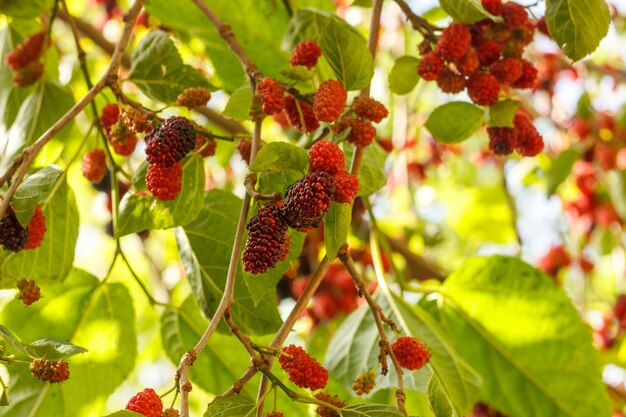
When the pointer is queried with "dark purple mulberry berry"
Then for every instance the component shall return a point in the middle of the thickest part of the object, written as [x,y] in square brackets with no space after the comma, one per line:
[267,240]
[13,236]
[171,141]
[307,200]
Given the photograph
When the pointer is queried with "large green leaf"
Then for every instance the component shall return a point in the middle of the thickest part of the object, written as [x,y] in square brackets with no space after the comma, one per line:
[403,76]
[347,54]
[524,330]
[99,317]
[439,403]
[40,110]
[354,349]
[32,191]
[279,156]
[455,121]
[181,329]
[468,11]
[53,260]
[234,406]
[577,26]
[205,246]
[371,410]
[372,175]
[458,381]
[158,70]
[239,102]
[336,227]
[140,212]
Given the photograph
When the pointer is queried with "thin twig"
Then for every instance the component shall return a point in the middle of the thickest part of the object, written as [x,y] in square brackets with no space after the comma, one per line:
[377,313]
[418,22]
[31,152]
[245,340]
[251,181]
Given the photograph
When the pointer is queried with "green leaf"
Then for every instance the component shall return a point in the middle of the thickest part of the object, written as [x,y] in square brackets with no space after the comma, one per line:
[101,319]
[577,26]
[233,406]
[523,329]
[310,24]
[372,175]
[159,71]
[336,227]
[40,110]
[205,246]
[279,156]
[238,106]
[354,349]
[32,191]
[139,211]
[24,9]
[181,329]
[270,182]
[439,403]
[371,410]
[468,11]
[53,349]
[458,381]
[4,398]
[263,286]
[502,113]
[455,121]
[12,339]
[403,76]
[347,55]
[52,261]
[559,169]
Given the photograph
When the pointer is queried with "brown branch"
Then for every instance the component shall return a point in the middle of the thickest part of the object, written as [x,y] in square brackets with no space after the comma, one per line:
[377,313]
[29,153]
[245,340]
[93,34]
[418,22]
[224,123]
[119,94]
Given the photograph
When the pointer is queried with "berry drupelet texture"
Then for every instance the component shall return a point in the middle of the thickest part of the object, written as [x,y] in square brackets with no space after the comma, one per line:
[300,115]
[193,97]
[302,369]
[430,66]
[164,182]
[147,403]
[272,96]
[347,187]
[94,165]
[329,101]
[13,237]
[110,115]
[362,132]
[364,383]
[454,41]
[483,89]
[370,109]
[170,142]
[306,54]
[28,291]
[36,229]
[410,353]
[53,372]
[324,411]
[26,52]
[307,200]
[267,240]
[326,156]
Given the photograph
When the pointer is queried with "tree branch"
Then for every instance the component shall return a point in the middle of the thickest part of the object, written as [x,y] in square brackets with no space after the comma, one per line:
[29,153]
[418,22]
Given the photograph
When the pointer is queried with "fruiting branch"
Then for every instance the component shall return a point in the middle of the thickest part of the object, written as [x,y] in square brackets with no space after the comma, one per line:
[418,23]
[29,153]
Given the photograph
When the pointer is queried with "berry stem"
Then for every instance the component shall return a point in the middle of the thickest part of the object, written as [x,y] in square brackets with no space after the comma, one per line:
[250,183]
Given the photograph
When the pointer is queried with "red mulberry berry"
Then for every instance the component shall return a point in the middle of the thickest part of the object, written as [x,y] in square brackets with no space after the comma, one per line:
[307,200]
[272,96]
[386,144]
[267,237]
[515,15]
[306,53]
[28,75]
[529,141]
[330,399]
[28,291]
[543,27]
[94,165]
[347,187]
[209,149]
[430,66]
[110,115]
[370,109]
[53,372]
[329,100]
[454,41]
[36,229]
[244,147]
[362,132]
[469,63]
[493,6]
[483,89]
[164,182]
[193,97]
[410,353]
[13,236]
[123,142]
[274,414]
[171,141]
[305,122]
[502,140]
[147,402]
[364,383]
[26,52]
[303,370]
[450,82]
[326,156]
[528,77]
[488,52]
[507,70]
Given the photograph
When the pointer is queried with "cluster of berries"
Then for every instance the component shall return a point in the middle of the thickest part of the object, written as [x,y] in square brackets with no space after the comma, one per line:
[53,372]
[14,237]
[302,369]
[483,58]
[24,60]
[28,291]
[121,127]
[334,400]
[410,353]
[329,103]
[306,201]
